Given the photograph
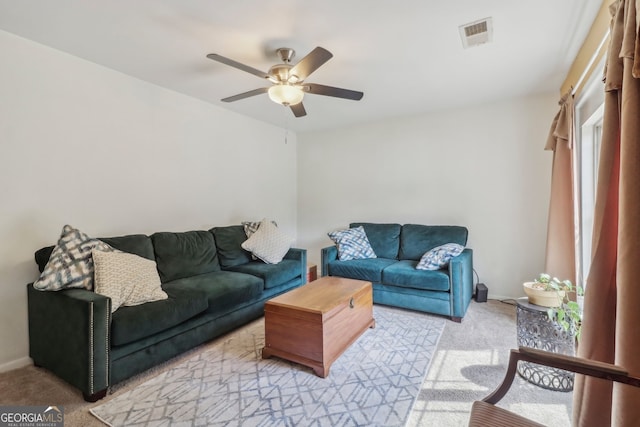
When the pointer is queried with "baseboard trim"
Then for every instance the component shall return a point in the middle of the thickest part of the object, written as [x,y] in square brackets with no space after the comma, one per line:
[16,364]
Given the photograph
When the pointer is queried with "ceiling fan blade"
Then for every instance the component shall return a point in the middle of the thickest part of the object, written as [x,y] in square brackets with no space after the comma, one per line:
[236,64]
[298,110]
[337,92]
[245,94]
[310,63]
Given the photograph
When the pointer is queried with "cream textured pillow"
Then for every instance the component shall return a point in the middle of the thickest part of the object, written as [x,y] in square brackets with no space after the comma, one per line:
[251,227]
[268,243]
[126,278]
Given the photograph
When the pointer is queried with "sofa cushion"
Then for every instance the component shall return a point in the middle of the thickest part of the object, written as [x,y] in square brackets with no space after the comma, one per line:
[384,238]
[416,240]
[224,289]
[352,244]
[130,324]
[184,254]
[70,264]
[138,244]
[128,279]
[362,269]
[228,242]
[404,274]
[273,275]
[439,257]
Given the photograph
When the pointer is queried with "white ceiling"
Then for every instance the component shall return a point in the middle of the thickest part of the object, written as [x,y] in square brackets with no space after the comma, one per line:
[406,56]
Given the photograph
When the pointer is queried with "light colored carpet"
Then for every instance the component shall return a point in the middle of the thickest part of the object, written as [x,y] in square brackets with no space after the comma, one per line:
[468,364]
[375,382]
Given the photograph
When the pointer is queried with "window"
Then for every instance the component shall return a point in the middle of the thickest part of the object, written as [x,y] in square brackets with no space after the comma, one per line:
[588,138]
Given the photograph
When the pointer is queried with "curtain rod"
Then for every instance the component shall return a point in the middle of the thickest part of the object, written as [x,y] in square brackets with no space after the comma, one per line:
[592,60]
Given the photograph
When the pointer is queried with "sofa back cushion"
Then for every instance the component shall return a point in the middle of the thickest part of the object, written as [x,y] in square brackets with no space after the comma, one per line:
[185,254]
[42,256]
[416,239]
[137,244]
[228,240]
[384,238]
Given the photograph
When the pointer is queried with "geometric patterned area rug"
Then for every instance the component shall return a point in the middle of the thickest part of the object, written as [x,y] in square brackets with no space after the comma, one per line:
[374,383]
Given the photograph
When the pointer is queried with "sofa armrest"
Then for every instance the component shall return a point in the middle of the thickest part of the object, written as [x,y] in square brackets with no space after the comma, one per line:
[300,255]
[330,253]
[69,335]
[461,276]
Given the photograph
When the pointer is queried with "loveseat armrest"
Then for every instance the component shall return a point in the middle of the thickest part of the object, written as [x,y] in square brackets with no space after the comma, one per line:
[69,335]
[461,276]
[328,254]
[300,255]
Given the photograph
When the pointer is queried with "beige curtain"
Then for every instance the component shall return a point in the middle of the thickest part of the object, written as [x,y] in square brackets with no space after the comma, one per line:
[560,258]
[611,328]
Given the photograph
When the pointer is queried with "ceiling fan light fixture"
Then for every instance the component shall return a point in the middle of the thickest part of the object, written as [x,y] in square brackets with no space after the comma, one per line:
[289,82]
[286,94]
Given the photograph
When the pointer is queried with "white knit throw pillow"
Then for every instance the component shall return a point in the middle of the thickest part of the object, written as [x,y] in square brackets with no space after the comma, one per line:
[268,243]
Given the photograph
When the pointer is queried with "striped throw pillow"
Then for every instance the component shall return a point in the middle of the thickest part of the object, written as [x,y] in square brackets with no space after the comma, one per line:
[352,244]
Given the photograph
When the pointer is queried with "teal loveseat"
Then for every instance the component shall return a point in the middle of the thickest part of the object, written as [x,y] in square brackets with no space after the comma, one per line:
[213,287]
[396,281]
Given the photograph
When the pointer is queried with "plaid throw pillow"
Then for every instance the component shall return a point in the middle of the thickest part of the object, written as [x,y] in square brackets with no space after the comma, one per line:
[439,257]
[352,244]
[70,264]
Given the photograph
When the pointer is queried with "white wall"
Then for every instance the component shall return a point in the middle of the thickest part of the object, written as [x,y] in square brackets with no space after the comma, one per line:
[111,155]
[481,167]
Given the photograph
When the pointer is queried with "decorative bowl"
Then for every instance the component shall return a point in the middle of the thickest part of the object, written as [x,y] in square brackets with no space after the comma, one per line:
[539,296]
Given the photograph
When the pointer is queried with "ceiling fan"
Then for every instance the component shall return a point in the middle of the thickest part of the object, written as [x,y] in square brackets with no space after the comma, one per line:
[288,81]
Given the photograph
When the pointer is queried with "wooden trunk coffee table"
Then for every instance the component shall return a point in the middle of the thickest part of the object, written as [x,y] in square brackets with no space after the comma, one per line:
[315,323]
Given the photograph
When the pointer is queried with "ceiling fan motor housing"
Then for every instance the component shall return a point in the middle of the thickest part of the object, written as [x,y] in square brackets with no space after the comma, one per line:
[281,73]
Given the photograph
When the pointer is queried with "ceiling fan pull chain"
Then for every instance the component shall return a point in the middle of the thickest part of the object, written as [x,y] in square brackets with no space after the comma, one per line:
[286,126]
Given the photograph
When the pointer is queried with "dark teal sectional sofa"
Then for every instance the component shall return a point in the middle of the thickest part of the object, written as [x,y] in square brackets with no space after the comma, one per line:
[396,281]
[213,285]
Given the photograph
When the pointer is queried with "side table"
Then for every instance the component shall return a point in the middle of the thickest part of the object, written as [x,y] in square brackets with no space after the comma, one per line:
[536,330]
[312,272]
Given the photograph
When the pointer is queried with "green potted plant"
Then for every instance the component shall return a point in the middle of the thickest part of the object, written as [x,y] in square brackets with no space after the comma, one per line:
[569,313]
[556,294]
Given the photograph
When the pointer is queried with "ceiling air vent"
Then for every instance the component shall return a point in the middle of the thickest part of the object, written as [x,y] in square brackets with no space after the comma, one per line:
[476,33]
